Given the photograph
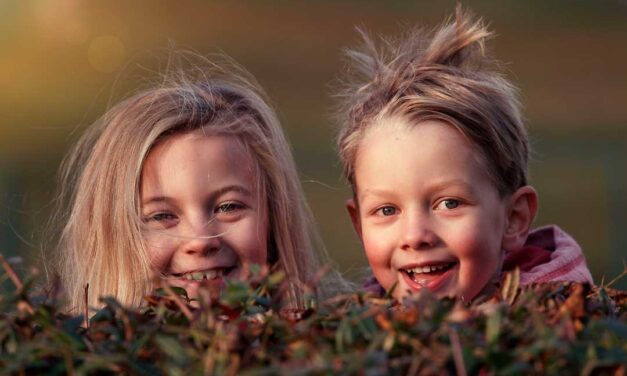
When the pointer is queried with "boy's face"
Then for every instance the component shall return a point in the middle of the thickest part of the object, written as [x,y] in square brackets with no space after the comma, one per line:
[427,212]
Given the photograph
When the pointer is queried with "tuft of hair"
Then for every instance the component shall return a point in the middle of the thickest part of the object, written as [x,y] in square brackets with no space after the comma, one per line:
[445,75]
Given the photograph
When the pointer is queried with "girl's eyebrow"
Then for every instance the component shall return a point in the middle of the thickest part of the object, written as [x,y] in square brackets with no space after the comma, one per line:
[155,199]
[219,192]
[232,188]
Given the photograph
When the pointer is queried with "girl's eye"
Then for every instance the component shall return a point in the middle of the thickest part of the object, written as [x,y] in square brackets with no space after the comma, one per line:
[448,204]
[228,207]
[161,217]
[387,211]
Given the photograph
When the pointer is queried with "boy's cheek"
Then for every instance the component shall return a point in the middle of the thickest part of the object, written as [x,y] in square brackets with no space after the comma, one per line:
[376,259]
[379,256]
[377,249]
[475,274]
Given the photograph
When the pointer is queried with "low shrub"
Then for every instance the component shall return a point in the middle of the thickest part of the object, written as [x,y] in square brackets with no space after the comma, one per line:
[556,328]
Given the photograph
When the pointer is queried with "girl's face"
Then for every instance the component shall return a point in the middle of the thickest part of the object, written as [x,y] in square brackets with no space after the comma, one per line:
[427,212]
[203,215]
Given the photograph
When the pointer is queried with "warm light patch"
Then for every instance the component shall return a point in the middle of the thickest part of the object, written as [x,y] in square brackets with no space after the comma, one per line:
[106,53]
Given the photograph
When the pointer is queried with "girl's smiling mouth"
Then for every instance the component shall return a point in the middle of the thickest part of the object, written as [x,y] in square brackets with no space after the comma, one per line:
[432,275]
[207,274]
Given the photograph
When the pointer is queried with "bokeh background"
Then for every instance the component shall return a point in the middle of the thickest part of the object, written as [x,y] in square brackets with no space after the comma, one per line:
[62,62]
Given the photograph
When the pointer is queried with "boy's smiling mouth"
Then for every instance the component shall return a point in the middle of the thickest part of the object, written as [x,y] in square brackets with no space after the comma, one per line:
[432,275]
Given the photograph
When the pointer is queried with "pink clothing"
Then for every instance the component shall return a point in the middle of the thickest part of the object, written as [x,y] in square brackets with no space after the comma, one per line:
[549,254]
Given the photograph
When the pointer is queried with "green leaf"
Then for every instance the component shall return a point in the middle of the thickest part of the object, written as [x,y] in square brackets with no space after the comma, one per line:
[172,348]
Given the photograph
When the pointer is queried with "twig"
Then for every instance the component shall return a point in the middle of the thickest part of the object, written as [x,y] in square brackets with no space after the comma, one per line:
[69,364]
[621,275]
[177,300]
[11,273]
[234,364]
[22,304]
[457,352]
[128,329]
[86,308]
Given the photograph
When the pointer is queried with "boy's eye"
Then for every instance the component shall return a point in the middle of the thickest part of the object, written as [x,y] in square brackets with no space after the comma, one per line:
[387,210]
[228,207]
[448,204]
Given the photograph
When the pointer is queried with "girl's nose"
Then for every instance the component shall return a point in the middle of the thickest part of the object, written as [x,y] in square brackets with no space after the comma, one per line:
[418,232]
[202,245]
[202,241]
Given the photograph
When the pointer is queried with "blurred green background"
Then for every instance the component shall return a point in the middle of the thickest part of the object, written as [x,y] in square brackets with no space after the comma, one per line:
[62,62]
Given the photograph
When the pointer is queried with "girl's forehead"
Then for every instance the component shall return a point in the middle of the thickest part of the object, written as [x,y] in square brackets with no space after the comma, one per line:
[216,152]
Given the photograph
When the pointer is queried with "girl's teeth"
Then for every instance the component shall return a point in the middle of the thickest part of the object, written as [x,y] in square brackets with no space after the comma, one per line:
[199,276]
[211,274]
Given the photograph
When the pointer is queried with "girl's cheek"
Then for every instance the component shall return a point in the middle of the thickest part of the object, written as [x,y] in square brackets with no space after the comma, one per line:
[159,251]
[254,251]
[250,241]
[259,257]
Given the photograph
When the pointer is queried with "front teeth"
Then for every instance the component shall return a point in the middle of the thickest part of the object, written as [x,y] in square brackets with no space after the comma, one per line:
[199,276]
[427,269]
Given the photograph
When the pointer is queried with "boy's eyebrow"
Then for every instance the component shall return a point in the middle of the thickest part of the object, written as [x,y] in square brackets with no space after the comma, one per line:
[372,191]
[447,183]
[229,188]
[434,188]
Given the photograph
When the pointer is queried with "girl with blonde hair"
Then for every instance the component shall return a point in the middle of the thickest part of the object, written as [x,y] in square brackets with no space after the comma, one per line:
[191,180]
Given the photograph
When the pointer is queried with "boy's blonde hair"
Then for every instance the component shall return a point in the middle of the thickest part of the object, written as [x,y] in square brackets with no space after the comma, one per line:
[101,242]
[445,76]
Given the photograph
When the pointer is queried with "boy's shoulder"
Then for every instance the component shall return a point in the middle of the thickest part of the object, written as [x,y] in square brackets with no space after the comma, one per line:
[549,254]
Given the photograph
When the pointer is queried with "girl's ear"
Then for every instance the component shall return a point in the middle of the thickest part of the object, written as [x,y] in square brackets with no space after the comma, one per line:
[522,208]
[353,212]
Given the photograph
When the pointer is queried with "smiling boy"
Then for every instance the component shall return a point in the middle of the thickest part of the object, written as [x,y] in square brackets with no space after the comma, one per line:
[435,150]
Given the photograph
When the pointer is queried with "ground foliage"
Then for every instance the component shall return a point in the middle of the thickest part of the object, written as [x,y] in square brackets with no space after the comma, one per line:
[557,328]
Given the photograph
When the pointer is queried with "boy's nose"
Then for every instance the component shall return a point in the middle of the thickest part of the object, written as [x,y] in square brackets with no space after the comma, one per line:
[418,233]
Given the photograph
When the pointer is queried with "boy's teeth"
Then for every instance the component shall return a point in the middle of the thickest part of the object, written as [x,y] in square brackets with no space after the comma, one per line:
[428,269]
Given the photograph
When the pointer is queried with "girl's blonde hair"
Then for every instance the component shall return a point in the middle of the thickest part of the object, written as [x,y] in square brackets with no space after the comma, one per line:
[445,76]
[101,243]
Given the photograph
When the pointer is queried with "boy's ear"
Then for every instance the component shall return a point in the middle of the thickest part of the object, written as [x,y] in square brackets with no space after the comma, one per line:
[523,205]
[353,212]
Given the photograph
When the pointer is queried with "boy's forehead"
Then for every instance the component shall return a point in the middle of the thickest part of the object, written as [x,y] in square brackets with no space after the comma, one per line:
[432,149]
[386,124]
[391,129]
